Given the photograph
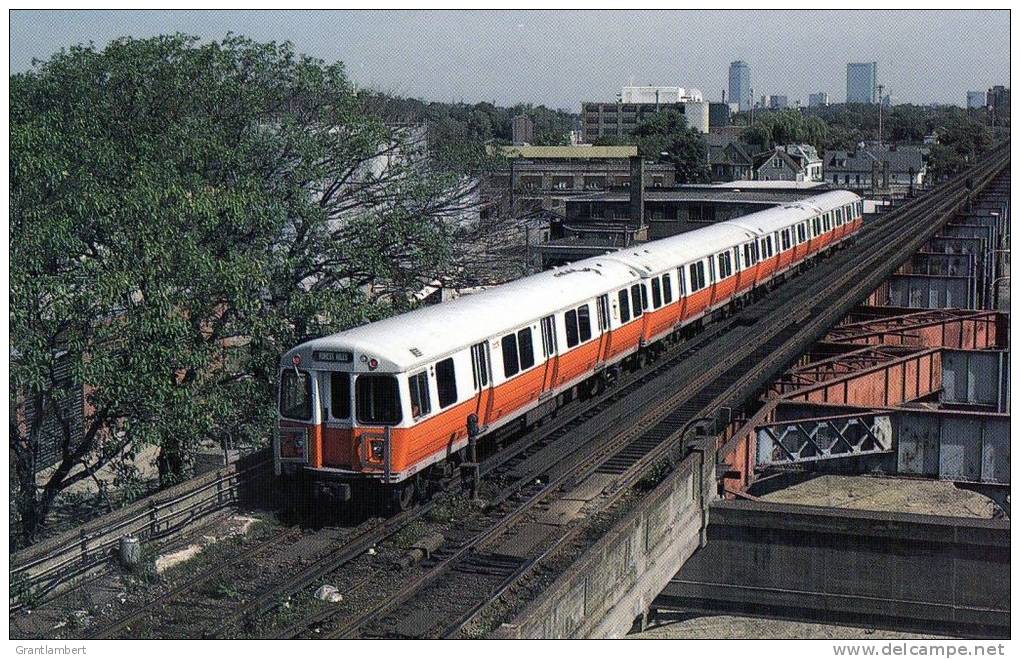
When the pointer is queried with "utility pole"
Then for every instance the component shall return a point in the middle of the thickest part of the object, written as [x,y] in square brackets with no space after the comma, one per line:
[751,103]
[880,87]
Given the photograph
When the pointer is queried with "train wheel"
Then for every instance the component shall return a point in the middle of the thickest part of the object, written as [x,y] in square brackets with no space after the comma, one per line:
[403,495]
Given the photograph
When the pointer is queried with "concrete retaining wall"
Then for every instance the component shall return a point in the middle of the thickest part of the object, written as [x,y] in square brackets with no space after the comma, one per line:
[615,580]
[890,569]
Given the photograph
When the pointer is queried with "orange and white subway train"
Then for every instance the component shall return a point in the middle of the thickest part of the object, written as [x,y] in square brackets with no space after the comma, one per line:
[384,402]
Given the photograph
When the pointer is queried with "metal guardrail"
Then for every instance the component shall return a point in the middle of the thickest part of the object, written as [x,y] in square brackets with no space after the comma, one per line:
[49,566]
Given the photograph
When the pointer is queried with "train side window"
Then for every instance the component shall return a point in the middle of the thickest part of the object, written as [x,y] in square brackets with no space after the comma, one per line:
[736,259]
[768,247]
[378,400]
[839,219]
[340,395]
[446,382]
[511,364]
[570,321]
[525,348]
[697,276]
[656,293]
[584,322]
[548,336]
[784,239]
[801,232]
[711,270]
[667,289]
[419,386]
[681,287]
[602,310]
[624,306]
[479,366]
[725,265]
[636,301]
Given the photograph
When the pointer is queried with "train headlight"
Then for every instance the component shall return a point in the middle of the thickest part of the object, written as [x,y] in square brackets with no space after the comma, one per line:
[373,364]
[377,450]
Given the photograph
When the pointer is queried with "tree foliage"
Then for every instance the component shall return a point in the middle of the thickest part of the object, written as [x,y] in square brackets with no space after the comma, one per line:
[180,214]
[665,136]
[786,126]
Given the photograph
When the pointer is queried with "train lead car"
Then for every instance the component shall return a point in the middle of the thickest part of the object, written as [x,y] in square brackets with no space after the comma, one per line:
[383,405]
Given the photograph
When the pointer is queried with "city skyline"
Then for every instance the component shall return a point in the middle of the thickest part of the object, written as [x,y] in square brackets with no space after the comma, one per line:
[505,57]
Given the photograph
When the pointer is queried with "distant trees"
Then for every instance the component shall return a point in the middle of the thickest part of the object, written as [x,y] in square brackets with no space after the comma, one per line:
[666,137]
[454,125]
[785,127]
[180,214]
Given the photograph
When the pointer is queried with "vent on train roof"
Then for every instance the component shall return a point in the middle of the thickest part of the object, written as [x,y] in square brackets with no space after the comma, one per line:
[567,271]
[416,352]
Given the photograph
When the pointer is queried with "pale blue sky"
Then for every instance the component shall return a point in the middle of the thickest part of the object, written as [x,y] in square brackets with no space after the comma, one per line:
[561,58]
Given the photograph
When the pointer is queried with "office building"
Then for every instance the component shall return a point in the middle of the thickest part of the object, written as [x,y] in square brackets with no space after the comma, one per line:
[523,129]
[862,82]
[820,99]
[740,85]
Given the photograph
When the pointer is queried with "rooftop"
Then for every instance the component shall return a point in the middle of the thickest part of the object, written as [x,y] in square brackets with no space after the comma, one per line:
[567,152]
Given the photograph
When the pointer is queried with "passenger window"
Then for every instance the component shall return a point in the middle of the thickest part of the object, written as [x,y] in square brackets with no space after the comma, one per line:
[584,322]
[656,293]
[667,288]
[340,395]
[479,365]
[570,320]
[525,348]
[624,306]
[636,301]
[446,382]
[697,276]
[511,365]
[419,386]
[377,398]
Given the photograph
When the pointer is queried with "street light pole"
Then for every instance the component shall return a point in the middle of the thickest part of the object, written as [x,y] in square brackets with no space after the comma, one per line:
[880,87]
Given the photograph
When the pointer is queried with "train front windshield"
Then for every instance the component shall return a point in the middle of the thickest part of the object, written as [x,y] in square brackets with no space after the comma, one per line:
[296,395]
[378,400]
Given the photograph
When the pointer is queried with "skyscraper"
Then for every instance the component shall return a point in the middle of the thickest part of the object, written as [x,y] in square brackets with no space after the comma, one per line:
[740,85]
[862,82]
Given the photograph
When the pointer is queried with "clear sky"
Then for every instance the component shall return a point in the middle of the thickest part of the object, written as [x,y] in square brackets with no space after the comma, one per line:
[561,58]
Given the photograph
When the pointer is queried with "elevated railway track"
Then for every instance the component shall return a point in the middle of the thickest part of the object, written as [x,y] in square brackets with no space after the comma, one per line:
[613,439]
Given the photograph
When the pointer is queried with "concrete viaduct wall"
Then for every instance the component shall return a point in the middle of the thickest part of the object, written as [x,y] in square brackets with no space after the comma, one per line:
[616,579]
[924,572]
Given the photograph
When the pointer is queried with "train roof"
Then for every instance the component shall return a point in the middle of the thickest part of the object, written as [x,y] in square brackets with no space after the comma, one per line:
[436,331]
[780,217]
[419,337]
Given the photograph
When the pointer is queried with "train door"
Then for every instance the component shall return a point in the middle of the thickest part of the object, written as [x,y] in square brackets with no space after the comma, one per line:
[481,372]
[549,352]
[605,337]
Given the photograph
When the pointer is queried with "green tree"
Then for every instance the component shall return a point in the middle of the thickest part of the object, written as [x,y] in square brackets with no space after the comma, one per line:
[665,136]
[180,214]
